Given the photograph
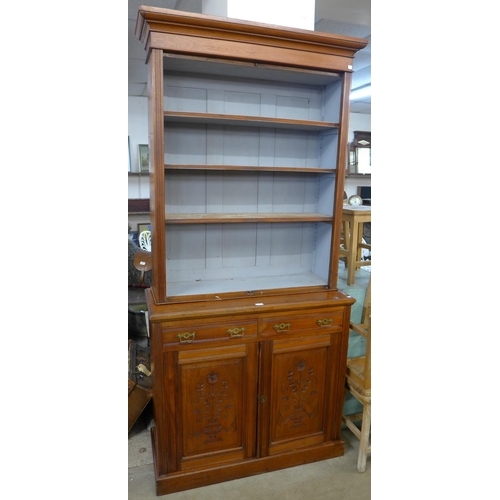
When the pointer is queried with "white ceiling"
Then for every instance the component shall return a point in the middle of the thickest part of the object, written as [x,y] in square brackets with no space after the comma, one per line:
[343,17]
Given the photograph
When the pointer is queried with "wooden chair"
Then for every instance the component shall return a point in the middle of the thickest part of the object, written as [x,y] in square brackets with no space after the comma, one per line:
[358,383]
[145,240]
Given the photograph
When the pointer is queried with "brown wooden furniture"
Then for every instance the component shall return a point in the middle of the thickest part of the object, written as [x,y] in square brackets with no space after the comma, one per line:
[139,381]
[358,383]
[248,129]
[353,219]
[138,206]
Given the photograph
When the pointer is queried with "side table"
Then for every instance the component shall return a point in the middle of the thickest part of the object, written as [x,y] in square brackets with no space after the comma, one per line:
[353,219]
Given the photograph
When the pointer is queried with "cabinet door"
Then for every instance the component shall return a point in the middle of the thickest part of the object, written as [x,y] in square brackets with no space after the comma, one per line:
[295,398]
[215,414]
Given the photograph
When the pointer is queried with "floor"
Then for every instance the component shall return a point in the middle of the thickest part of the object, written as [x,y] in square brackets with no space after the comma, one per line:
[335,478]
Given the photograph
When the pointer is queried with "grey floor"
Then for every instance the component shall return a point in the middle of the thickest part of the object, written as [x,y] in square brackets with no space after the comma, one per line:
[335,478]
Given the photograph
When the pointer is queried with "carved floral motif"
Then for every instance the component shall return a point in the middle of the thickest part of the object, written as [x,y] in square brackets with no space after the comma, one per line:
[300,400]
[214,408]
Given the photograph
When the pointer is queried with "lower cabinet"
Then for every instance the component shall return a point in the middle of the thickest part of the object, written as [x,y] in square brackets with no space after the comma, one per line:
[247,393]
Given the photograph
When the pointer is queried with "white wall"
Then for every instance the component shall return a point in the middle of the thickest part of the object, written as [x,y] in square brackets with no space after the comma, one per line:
[358,121]
[138,187]
[294,13]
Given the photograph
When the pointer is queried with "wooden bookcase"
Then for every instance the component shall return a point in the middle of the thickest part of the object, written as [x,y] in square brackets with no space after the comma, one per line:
[248,127]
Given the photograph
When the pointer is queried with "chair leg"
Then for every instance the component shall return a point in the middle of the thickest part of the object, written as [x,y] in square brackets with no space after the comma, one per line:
[364,442]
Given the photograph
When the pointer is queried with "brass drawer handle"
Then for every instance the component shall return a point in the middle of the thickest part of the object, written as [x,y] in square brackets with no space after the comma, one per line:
[186,337]
[282,327]
[325,322]
[236,332]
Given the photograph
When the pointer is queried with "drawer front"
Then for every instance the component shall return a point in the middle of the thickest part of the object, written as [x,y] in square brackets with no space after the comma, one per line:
[321,321]
[194,333]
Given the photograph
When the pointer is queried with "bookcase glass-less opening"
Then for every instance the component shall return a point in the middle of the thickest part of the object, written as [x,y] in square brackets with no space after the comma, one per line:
[250,155]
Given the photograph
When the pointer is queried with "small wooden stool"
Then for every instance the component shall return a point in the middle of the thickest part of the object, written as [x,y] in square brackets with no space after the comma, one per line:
[353,219]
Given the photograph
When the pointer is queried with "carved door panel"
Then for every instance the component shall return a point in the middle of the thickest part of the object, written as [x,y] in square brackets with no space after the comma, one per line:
[297,394]
[216,405]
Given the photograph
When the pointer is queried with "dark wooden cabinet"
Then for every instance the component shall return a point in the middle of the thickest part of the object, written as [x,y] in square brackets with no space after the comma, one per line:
[248,128]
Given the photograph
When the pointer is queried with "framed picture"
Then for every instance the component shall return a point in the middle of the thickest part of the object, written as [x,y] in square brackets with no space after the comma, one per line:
[129,159]
[145,226]
[143,158]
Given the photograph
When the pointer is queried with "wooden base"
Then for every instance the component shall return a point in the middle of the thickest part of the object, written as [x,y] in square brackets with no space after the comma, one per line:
[195,478]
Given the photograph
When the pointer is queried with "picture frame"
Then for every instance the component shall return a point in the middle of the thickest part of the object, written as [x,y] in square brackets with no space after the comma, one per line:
[143,158]
[143,226]
[129,157]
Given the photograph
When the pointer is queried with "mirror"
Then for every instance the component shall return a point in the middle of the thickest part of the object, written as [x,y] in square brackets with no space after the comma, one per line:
[360,154]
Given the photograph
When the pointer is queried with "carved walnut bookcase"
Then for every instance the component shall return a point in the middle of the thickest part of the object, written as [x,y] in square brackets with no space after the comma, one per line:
[248,127]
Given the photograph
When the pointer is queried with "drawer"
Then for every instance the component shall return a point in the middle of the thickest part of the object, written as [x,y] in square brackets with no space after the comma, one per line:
[194,333]
[324,321]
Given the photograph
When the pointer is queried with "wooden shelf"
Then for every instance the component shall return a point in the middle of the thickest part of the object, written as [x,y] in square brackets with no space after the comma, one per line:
[240,69]
[239,218]
[248,121]
[253,168]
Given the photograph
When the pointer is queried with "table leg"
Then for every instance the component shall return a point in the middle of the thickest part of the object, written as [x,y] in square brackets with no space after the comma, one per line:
[358,242]
[347,240]
[353,251]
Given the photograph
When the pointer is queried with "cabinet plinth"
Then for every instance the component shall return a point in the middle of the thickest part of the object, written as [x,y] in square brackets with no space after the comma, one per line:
[248,127]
